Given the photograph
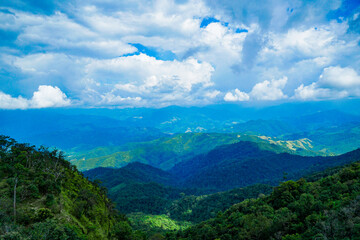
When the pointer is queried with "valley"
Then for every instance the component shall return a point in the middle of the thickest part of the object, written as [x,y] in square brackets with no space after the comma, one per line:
[170,177]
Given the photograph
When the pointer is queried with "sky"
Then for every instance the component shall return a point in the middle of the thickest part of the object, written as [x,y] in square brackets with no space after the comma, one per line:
[134,53]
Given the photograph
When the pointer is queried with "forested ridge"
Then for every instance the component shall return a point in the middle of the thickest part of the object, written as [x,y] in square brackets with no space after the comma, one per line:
[42,196]
[328,208]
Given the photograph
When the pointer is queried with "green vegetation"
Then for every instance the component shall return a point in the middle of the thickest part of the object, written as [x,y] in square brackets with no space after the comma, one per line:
[44,197]
[164,153]
[141,188]
[246,163]
[325,209]
[200,208]
[156,223]
[338,140]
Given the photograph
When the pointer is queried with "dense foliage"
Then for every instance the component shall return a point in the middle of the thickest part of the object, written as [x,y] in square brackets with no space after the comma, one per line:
[200,208]
[325,209]
[44,197]
[142,188]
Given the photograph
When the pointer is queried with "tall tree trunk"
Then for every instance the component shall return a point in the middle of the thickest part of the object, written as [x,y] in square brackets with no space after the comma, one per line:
[16,181]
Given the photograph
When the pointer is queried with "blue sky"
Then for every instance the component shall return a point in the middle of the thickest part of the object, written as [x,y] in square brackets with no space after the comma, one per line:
[157,53]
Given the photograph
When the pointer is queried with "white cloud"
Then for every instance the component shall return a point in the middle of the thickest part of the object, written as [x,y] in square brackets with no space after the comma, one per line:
[236,96]
[154,80]
[46,96]
[312,42]
[338,77]
[131,76]
[312,92]
[269,90]
[266,90]
[150,74]
[8,102]
[334,83]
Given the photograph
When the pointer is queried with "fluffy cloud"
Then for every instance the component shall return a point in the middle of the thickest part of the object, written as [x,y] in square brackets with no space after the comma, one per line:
[338,77]
[269,90]
[236,96]
[8,102]
[155,75]
[153,80]
[266,90]
[137,79]
[46,96]
[334,82]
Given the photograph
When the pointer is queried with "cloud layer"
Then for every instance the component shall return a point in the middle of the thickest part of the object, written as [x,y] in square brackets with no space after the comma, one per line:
[163,52]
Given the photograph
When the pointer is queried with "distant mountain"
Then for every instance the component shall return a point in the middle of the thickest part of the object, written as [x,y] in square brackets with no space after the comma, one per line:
[336,139]
[323,119]
[133,172]
[271,128]
[228,166]
[164,153]
[246,163]
[70,130]
[294,123]
[92,137]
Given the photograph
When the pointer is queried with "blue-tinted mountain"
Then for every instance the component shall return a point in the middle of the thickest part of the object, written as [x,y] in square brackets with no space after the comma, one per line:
[244,163]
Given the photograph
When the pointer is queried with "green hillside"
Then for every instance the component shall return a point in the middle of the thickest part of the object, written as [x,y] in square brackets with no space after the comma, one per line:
[164,153]
[296,210]
[337,139]
[247,163]
[44,197]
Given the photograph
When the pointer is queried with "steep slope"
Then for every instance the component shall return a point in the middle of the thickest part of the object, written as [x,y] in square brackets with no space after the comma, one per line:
[200,208]
[44,197]
[325,209]
[133,172]
[139,187]
[247,163]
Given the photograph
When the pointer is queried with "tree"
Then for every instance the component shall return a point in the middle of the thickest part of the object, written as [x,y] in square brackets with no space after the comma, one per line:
[15,185]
